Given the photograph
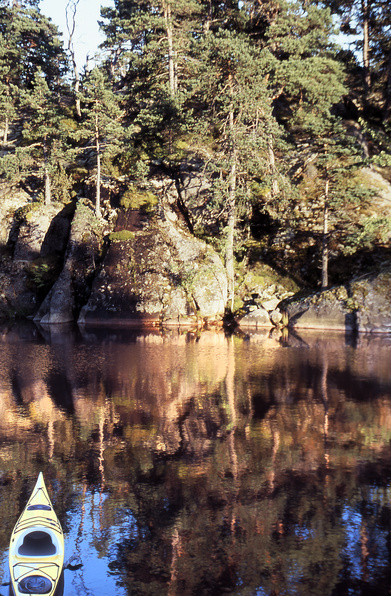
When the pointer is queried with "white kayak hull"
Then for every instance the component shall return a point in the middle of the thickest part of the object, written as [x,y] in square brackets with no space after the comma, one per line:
[36,553]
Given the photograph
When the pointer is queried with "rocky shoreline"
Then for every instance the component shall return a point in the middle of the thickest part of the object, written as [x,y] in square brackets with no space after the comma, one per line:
[60,264]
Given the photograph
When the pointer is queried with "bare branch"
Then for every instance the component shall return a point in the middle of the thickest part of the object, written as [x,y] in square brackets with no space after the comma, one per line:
[70,16]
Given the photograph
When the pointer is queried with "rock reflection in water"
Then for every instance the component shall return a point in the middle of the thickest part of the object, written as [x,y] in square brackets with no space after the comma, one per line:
[200,464]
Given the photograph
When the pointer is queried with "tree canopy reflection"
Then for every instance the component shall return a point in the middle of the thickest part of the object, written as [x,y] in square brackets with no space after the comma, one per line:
[206,464]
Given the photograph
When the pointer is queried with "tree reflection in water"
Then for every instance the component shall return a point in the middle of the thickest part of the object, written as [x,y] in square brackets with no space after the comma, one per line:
[186,464]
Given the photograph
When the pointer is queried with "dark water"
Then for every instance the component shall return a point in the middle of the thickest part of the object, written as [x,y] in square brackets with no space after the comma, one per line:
[187,465]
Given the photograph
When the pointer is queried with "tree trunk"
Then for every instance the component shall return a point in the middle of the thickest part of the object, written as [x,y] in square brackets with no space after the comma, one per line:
[365,51]
[172,67]
[387,104]
[325,241]
[229,253]
[48,190]
[77,89]
[272,164]
[98,175]
[208,20]
[6,121]
[72,5]
[6,131]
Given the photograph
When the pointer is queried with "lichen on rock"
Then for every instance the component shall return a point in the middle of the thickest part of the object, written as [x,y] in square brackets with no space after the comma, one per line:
[161,276]
[362,306]
[71,289]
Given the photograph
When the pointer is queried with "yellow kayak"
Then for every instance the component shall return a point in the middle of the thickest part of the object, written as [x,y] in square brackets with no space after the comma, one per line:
[36,553]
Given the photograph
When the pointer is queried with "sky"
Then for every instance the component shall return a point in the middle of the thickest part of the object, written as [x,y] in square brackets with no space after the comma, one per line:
[87,36]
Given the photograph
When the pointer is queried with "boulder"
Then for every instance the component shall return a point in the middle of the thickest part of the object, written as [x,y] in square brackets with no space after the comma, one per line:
[371,301]
[160,275]
[271,304]
[323,310]
[275,316]
[257,318]
[363,306]
[59,303]
[11,201]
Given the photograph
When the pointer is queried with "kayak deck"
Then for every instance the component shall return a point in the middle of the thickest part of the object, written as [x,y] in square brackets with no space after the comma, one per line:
[36,554]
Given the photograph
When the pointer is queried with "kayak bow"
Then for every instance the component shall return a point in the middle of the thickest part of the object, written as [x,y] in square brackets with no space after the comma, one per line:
[36,553]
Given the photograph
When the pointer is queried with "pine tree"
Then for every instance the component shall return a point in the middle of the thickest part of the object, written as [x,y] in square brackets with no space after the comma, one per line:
[42,131]
[33,42]
[149,48]
[101,122]
[380,54]
[369,21]
[337,196]
[9,92]
[28,42]
[237,106]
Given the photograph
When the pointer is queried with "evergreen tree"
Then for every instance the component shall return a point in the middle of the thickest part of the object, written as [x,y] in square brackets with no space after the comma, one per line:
[369,21]
[237,106]
[70,12]
[42,131]
[305,78]
[9,92]
[101,122]
[28,42]
[228,77]
[380,54]
[32,42]
[149,49]
[336,196]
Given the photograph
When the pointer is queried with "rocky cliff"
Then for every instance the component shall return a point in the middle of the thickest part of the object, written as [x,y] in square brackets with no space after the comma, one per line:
[62,264]
[140,265]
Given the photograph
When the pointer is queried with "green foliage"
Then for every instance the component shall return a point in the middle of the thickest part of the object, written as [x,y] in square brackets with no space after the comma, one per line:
[244,92]
[134,198]
[42,273]
[39,274]
[43,134]
[12,167]
[87,222]
[367,232]
[367,25]
[23,212]
[101,122]
[121,236]
[29,43]
[383,159]
[101,110]
[61,184]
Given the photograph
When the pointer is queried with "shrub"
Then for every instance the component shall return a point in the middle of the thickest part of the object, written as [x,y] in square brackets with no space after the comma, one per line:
[121,236]
[134,198]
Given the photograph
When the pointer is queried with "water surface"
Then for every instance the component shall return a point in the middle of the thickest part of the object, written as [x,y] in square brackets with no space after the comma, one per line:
[191,464]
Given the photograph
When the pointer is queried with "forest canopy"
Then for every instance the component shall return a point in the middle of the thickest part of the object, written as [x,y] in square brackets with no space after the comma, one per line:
[256,98]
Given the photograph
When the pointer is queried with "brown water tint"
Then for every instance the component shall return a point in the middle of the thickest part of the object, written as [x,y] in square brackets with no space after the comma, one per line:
[185,464]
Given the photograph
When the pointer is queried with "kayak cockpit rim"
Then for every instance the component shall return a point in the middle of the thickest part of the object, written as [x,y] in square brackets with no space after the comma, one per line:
[37,542]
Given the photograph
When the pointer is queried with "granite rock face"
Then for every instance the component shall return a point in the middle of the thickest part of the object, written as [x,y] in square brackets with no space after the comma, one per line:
[161,274]
[71,289]
[371,301]
[33,252]
[62,264]
[257,318]
[323,310]
[363,306]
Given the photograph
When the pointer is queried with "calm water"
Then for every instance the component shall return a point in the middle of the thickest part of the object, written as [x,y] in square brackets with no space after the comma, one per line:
[188,465]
